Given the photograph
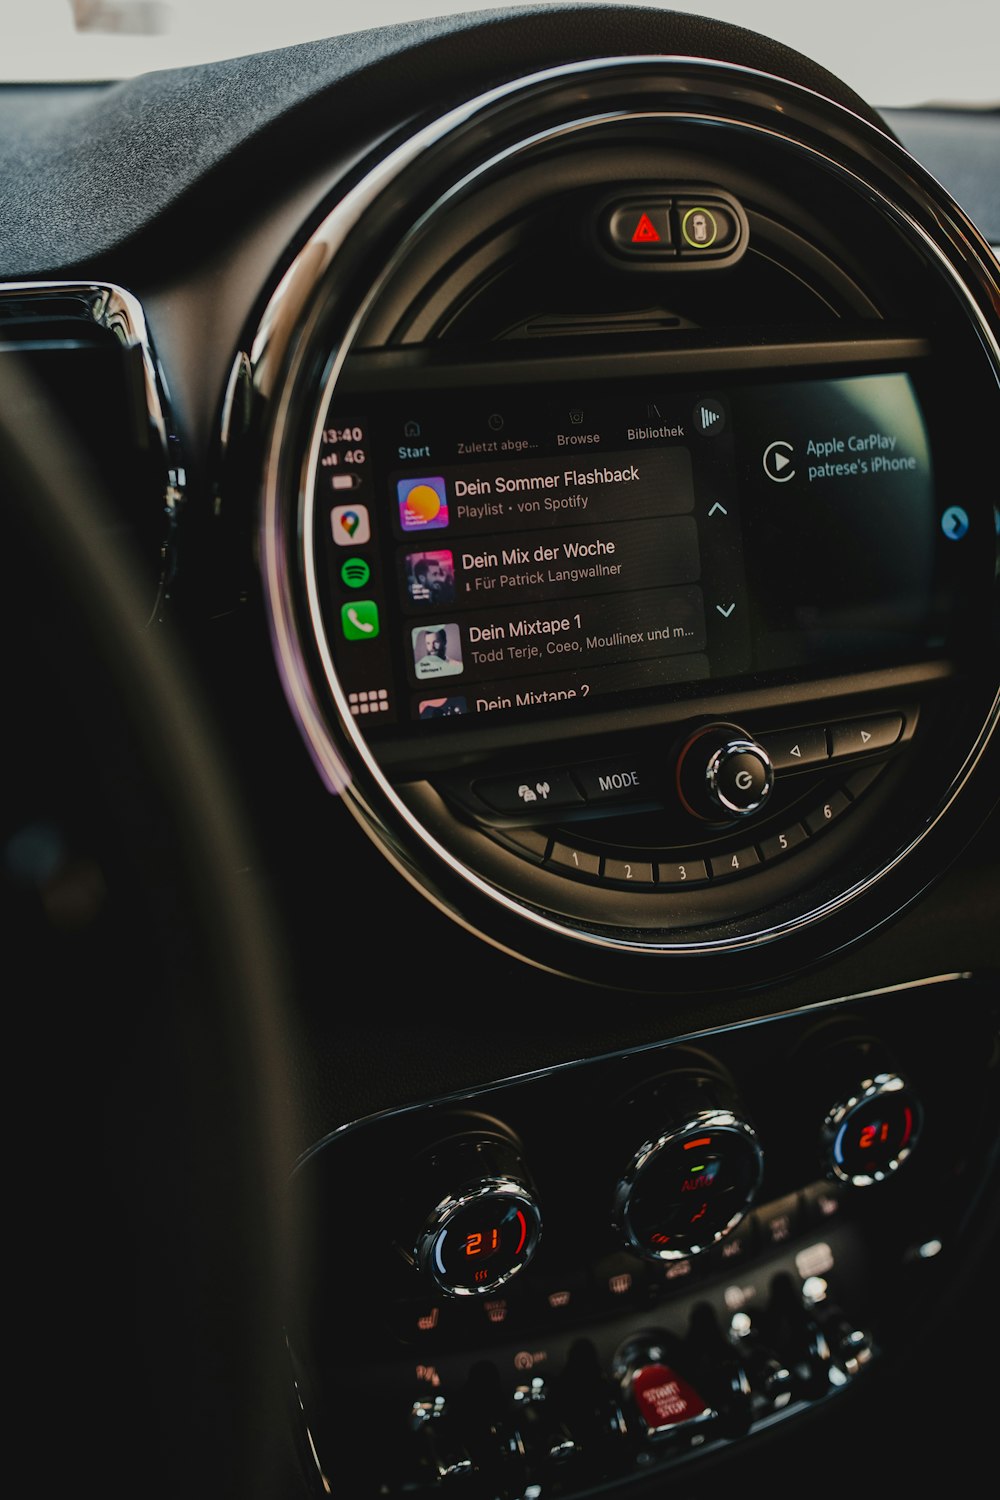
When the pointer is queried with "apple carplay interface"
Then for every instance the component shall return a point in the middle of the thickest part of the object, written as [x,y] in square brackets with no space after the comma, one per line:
[487,554]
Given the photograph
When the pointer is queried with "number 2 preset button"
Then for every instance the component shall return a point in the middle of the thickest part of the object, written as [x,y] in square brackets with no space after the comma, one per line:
[629,871]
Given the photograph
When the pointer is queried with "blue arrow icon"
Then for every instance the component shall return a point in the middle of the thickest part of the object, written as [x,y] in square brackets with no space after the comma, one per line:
[955,523]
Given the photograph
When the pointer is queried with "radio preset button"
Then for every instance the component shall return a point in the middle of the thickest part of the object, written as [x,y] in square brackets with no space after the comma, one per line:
[576,861]
[683,872]
[783,842]
[629,871]
[834,805]
[735,862]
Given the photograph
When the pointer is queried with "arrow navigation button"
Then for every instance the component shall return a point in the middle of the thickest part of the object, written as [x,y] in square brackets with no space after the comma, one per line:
[720,507]
[725,613]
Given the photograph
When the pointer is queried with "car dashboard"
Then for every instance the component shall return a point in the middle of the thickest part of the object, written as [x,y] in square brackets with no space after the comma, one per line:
[512,493]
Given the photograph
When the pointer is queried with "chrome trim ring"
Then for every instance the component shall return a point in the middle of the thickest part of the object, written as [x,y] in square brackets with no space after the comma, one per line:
[719,1121]
[426,1252]
[837,1121]
[282,358]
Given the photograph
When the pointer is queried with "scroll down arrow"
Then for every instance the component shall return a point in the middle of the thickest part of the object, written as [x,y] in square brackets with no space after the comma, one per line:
[718,506]
[725,613]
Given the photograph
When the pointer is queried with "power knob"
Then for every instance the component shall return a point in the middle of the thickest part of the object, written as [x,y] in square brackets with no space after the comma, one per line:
[697,1169]
[723,774]
[474,1219]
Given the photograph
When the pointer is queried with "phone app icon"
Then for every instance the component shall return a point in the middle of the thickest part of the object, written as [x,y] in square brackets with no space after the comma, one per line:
[350,525]
[359,620]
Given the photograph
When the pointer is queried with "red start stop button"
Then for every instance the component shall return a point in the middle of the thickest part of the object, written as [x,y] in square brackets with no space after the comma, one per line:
[664,1399]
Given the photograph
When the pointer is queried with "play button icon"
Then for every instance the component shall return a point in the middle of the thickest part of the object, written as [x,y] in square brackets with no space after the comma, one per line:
[777,461]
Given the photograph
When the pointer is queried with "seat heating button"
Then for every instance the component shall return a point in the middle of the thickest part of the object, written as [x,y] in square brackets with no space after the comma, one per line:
[862,735]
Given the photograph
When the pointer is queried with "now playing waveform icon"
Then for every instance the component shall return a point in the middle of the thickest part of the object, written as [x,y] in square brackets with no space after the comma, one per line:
[709,417]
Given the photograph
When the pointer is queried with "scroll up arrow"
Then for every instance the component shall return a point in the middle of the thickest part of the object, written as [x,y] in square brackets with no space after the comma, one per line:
[718,506]
[725,613]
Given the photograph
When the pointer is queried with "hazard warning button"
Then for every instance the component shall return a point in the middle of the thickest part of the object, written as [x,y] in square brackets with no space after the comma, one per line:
[640,228]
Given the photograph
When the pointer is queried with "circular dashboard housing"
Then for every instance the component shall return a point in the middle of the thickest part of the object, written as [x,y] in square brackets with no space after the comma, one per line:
[410,285]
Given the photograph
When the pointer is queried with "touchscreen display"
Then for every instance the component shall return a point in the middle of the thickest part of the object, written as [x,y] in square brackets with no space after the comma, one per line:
[510,551]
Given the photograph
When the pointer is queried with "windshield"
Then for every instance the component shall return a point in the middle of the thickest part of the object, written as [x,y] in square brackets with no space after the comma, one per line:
[893,53]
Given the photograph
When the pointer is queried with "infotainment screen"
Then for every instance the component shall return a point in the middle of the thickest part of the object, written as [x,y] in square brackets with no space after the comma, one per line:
[488,553]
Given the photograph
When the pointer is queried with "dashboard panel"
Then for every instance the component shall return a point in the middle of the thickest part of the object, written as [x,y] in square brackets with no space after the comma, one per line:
[563,482]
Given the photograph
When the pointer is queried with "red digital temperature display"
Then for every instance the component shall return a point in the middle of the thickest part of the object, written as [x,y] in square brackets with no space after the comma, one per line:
[481,1244]
[876,1132]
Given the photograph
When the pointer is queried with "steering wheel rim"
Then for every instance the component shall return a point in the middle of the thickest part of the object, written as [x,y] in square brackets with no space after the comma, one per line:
[152,992]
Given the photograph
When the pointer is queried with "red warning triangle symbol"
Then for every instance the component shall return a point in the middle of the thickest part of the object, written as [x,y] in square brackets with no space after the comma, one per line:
[645,231]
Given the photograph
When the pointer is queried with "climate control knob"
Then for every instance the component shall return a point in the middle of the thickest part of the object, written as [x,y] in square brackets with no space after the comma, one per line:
[723,774]
[874,1115]
[477,1222]
[697,1170]
[872,1130]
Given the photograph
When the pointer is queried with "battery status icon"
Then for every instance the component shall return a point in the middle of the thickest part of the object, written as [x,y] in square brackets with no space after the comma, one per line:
[344,481]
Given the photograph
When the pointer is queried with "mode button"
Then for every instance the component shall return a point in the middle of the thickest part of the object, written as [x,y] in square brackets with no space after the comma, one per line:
[613,780]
